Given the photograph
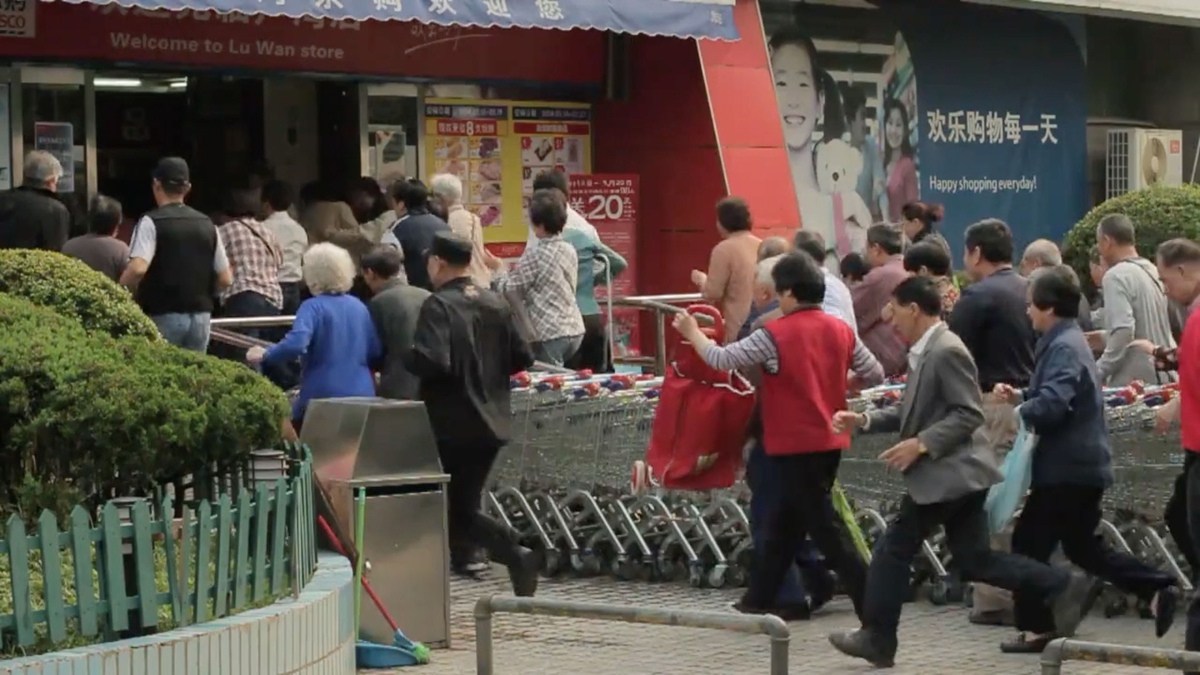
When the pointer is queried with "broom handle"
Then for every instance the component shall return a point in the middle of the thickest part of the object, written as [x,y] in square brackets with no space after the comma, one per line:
[339,549]
[360,526]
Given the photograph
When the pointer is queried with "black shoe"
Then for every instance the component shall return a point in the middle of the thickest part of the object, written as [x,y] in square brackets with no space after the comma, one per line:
[820,589]
[992,617]
[788,612]
[1072,603]
[1166,601]
[860,644]
[1023,644]
[524,574]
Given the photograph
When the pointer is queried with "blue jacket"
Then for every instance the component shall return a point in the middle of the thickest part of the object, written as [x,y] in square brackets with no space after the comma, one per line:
[1064,405]
[336,341]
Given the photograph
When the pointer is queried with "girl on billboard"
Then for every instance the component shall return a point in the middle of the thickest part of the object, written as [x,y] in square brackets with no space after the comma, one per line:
[899,163]
[808,95]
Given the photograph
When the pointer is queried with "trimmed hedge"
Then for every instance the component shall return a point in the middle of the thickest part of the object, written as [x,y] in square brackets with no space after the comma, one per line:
[73,289]
[1158,213]
[84,416]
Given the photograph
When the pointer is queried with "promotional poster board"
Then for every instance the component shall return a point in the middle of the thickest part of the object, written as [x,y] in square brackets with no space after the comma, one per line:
[497,148]
[610,202]
[980,109]
[58,139]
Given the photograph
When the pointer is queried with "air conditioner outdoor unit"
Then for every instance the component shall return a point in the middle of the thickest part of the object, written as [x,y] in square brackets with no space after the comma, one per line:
[1141,158]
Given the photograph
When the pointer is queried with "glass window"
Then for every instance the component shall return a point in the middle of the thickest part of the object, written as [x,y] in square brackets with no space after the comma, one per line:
[54,120]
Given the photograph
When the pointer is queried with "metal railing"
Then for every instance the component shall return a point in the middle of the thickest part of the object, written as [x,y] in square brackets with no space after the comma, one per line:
[224,329]
[486,608]
[1062,650]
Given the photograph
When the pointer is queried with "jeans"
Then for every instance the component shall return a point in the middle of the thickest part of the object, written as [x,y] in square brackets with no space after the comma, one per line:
[1070,514]
[808,572]
[189,331]
[245,304]
[1183,521]
[888,580]
[805,509]
[468,468]
[556,351]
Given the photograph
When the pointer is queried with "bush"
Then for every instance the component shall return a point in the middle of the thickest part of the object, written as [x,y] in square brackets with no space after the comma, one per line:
[1159,213]
[84,416]
[73,289]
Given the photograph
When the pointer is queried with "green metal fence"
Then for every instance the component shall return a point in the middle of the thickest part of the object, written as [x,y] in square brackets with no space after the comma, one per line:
[140,569]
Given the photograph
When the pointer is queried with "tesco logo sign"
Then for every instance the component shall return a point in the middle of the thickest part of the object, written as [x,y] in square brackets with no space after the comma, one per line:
[18,18]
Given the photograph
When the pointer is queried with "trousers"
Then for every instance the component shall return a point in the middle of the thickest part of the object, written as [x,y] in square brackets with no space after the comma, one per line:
[805,509]
[468,467]
[1070,514]
[967,537]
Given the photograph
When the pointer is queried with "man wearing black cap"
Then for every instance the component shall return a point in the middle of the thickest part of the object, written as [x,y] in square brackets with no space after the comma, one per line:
[177,261]
[465,348]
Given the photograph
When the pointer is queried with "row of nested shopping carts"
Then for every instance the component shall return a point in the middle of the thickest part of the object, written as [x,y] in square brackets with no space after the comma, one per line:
[564,481]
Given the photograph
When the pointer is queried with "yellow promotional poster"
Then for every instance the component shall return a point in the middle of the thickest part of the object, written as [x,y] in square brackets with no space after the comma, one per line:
[497,148]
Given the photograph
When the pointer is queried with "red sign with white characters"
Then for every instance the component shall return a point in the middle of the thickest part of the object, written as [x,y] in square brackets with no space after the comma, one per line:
[112,33]
[610,203]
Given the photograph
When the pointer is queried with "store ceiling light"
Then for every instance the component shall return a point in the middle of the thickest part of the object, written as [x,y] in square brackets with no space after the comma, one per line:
[178,84]
[118,82]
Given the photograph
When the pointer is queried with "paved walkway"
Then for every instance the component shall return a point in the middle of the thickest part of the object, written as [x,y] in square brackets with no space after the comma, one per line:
[934,640]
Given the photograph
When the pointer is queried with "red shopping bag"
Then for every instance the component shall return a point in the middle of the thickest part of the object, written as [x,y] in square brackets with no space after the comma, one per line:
[700,424]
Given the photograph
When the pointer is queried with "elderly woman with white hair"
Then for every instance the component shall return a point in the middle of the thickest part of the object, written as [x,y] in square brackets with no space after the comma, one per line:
[332,334]
[447,189]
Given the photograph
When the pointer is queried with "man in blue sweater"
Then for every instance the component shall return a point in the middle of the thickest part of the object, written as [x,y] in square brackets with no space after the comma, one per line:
[1072,464]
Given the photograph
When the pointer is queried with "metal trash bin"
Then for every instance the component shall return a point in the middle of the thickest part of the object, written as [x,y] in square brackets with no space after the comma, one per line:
[388,448]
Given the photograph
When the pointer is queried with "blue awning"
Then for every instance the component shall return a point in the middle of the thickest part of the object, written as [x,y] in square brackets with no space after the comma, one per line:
[677,18]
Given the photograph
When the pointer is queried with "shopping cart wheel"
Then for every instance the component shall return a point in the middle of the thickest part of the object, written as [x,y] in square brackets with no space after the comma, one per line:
[696,575]
[552,564]
[585,562]
[718,576]
[939,592]
[625,568]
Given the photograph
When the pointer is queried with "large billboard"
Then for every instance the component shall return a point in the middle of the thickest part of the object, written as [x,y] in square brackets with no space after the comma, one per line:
[979,109]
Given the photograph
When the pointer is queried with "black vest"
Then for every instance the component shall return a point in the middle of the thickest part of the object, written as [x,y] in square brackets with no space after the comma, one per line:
[180,278]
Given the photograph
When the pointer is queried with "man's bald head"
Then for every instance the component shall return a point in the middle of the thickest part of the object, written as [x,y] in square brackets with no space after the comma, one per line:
[1041,253]
[773,246]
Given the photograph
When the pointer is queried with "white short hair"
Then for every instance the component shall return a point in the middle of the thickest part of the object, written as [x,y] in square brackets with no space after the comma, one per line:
[447,186]
[765,268]
[1044,252]
[328,269]
[41,167]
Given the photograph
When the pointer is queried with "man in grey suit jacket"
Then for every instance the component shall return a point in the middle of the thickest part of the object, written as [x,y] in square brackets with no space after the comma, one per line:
[948,468]
[394,309]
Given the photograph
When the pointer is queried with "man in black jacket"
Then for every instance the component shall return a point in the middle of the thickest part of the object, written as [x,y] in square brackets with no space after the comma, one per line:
[465,348]
[415,232]
[31,216]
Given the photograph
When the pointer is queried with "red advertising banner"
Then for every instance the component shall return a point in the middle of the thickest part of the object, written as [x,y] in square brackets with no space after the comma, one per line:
[610,203]
[112,33]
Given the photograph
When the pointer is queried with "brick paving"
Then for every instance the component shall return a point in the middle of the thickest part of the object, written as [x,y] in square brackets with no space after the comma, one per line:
[934,640]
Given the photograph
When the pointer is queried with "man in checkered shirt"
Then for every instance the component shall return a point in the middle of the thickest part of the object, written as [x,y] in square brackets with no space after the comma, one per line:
[544,279]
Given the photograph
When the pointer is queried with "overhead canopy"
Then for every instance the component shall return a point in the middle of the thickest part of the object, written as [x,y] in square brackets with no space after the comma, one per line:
[1160,11]
[677,18]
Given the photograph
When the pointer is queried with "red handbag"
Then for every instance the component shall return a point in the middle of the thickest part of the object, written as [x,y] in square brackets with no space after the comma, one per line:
[700,424]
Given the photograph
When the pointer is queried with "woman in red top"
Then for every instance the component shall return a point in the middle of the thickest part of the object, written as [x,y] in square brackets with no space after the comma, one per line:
[805,356]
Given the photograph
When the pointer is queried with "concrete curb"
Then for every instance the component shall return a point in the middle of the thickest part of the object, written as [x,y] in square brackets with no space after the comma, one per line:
[310,634]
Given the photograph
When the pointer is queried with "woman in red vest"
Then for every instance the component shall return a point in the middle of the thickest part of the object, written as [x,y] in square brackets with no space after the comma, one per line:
[805,356]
